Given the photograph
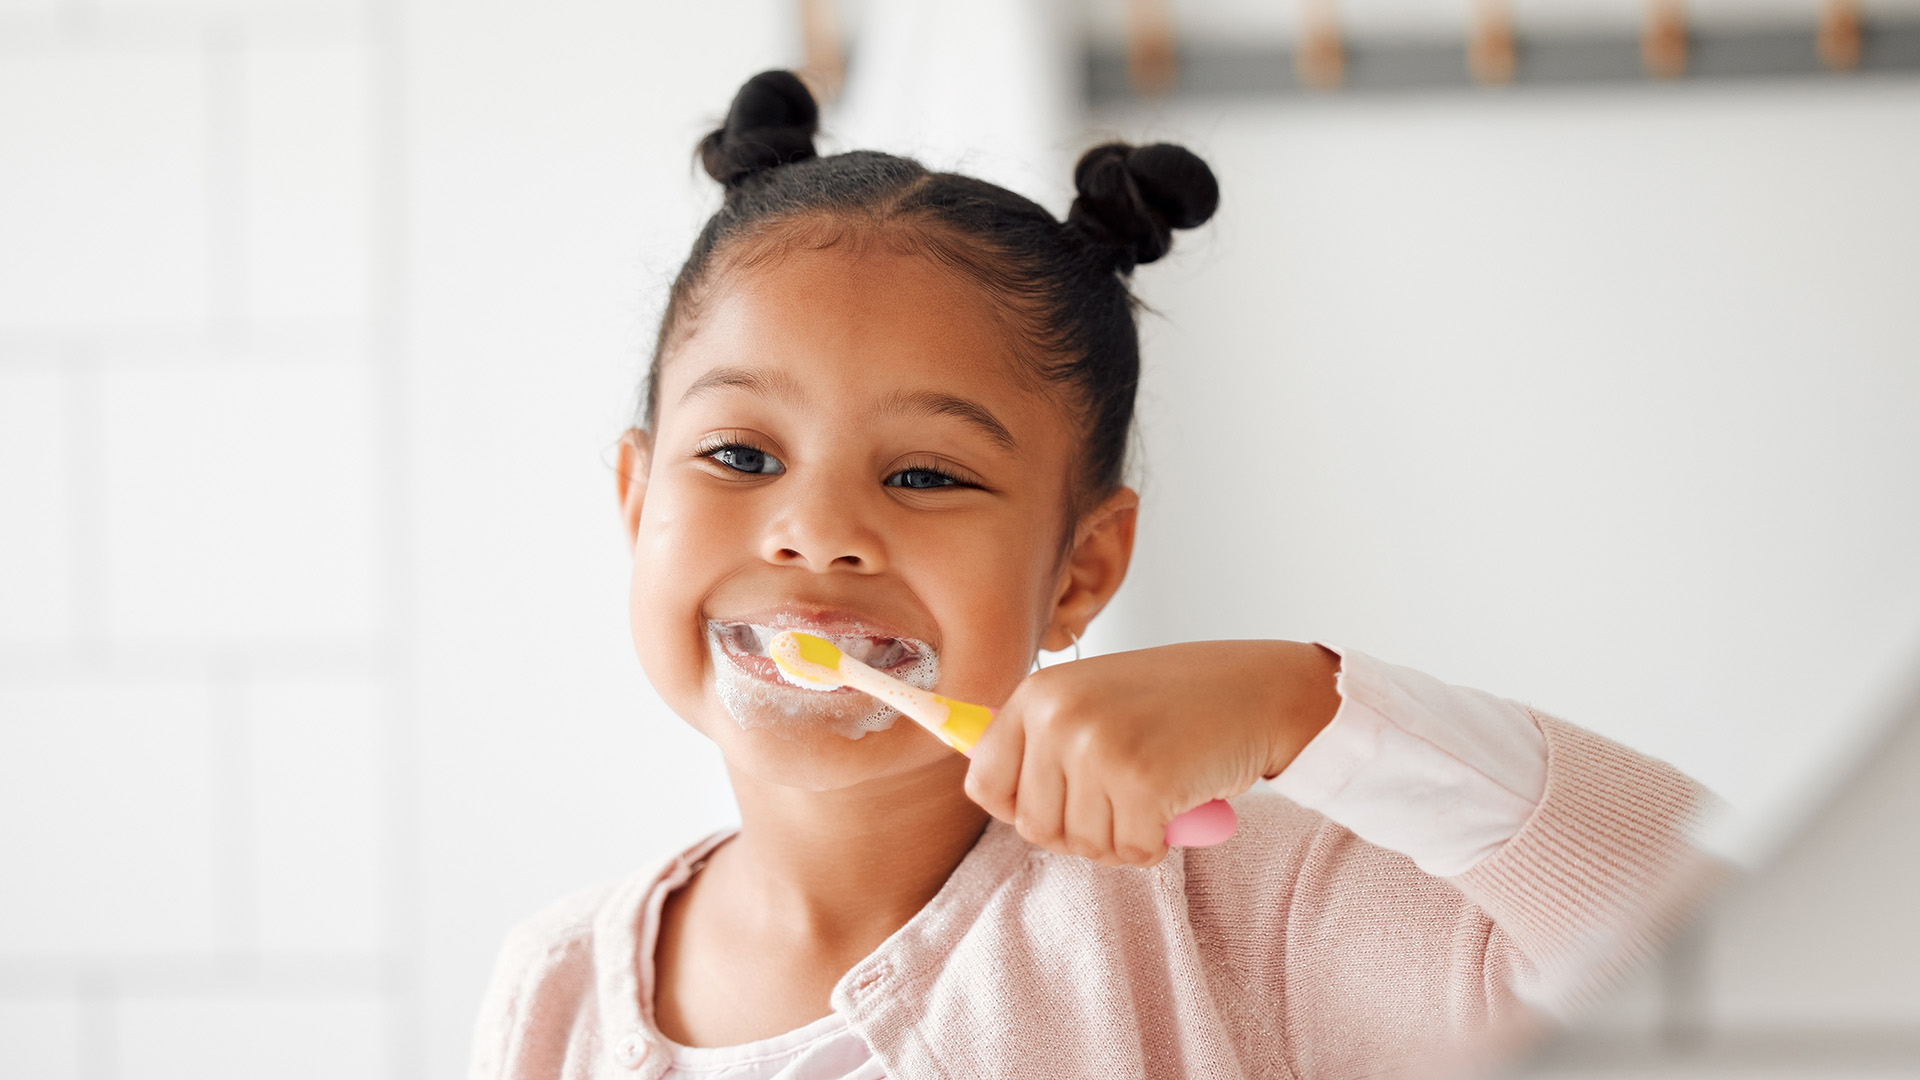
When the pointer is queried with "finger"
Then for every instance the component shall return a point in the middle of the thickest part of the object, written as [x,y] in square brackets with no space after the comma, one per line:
[1089,821]
[1139,832]
[993,774]
[1040,811]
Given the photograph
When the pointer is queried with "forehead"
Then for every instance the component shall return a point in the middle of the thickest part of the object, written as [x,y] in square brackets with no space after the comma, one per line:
[855,318]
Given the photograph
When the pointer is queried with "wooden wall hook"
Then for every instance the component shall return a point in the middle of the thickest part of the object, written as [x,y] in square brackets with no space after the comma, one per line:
[1152,65]
[1839,35]
[1663,44]
[1320,61]
[823,65]
[1491,57]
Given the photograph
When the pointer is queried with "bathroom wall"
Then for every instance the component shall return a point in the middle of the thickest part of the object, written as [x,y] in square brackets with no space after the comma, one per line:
[1603,398]
[318,320]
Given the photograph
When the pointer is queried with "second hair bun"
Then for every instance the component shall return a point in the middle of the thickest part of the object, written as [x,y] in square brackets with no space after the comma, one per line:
[1131,198]
[771,123]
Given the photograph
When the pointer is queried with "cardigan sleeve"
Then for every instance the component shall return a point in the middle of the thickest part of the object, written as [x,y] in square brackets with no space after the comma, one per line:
[1451,894]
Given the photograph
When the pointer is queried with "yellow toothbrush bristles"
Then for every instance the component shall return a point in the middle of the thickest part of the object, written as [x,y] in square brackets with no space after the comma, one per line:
[805,660]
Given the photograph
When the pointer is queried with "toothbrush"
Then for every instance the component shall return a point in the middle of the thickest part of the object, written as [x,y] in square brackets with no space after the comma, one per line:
[818,664]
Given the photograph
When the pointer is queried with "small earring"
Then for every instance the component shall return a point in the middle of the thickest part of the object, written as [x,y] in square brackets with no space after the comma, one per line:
[1071,636]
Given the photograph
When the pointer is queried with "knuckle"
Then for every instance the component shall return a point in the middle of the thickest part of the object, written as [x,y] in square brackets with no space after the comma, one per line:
[1044,833]
[1081,741]
[994,802]
[1132,772]
[976,787]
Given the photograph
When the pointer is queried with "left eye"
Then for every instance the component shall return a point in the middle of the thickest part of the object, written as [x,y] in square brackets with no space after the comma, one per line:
[747,460]
[921,479]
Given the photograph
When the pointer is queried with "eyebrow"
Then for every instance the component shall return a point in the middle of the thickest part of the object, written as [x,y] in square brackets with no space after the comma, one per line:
[926,402]
[933,403]
[764,383]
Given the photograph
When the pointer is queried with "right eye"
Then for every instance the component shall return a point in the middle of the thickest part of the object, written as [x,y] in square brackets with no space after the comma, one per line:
[747,459]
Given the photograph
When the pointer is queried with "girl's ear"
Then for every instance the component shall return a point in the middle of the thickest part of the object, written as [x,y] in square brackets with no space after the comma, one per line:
[630,474]
[1102,550]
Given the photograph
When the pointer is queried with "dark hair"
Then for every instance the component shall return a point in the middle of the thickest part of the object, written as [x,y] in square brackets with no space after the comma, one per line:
[1062,284]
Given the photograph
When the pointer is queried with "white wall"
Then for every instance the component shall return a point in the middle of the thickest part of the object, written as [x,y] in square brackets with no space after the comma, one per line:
[1604,400]
[317,322]
[201,815]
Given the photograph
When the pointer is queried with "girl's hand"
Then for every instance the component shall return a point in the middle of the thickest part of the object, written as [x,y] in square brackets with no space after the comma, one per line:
[1094,757]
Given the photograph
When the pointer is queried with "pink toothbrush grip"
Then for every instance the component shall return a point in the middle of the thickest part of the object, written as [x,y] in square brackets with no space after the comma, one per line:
[1203,826]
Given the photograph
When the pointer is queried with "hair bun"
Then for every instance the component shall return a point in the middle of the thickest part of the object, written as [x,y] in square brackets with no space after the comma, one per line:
[1133,197]
[771,123]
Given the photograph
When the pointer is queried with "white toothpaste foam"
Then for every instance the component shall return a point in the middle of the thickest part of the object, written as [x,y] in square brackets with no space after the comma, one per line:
[755,703]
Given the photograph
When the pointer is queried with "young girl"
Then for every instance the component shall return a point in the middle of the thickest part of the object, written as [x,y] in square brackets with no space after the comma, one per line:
[890,407]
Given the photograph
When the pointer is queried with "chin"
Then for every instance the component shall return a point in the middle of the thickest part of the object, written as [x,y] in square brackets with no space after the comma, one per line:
[817,759]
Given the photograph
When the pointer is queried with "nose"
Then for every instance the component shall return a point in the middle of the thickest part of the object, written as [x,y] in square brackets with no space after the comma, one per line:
[824,526]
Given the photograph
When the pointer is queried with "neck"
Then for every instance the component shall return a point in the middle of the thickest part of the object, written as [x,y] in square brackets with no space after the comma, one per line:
[850,866]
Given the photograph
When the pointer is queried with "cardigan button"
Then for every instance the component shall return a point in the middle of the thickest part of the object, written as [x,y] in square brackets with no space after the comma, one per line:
[631,1051]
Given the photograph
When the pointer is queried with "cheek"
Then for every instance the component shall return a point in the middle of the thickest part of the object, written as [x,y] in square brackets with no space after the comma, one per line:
[991,590]
[676,564]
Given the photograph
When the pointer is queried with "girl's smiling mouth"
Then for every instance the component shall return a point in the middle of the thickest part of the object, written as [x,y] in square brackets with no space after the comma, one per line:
[753,692]
[745,644]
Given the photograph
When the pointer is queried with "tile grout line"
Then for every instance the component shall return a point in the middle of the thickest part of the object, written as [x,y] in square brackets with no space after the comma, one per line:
[235,860]
[407,1051]
[87,588]
[224,46]
[97,1057]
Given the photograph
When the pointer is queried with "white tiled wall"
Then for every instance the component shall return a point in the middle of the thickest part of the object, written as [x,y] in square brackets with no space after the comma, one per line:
[318,771]
[36,577]
[203,801]
[238,499]
[110,802]
[316,320]
[104,180]
[313,667]
[308,175]
[291,1037]
[41,1037]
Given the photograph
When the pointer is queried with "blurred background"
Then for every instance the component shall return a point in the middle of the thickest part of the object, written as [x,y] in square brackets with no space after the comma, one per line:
[1565,348]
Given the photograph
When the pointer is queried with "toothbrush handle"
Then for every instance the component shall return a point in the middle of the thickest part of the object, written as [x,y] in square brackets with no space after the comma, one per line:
[1205,825]
[960,724]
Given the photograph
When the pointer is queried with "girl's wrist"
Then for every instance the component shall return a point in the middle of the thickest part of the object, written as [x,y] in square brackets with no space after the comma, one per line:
[1304,683]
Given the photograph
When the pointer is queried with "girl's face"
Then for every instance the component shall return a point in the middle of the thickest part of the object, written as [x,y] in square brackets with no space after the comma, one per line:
[847,444]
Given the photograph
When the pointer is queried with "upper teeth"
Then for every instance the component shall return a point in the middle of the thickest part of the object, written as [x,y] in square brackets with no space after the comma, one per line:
[878,652]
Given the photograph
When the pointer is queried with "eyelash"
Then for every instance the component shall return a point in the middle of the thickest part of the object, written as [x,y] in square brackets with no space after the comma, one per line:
[715,445]
[734,442]
[952,481]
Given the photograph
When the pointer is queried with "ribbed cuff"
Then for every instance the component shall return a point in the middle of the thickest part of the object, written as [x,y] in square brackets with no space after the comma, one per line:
[1602,872]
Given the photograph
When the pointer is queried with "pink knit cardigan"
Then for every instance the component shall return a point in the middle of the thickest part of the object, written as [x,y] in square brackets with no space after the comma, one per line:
[1294,950]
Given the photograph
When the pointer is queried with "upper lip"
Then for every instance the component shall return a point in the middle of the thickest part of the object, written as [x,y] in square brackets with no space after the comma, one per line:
[821,622]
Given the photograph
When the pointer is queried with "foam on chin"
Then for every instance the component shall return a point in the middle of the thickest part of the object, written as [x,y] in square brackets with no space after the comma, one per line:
[756,703]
